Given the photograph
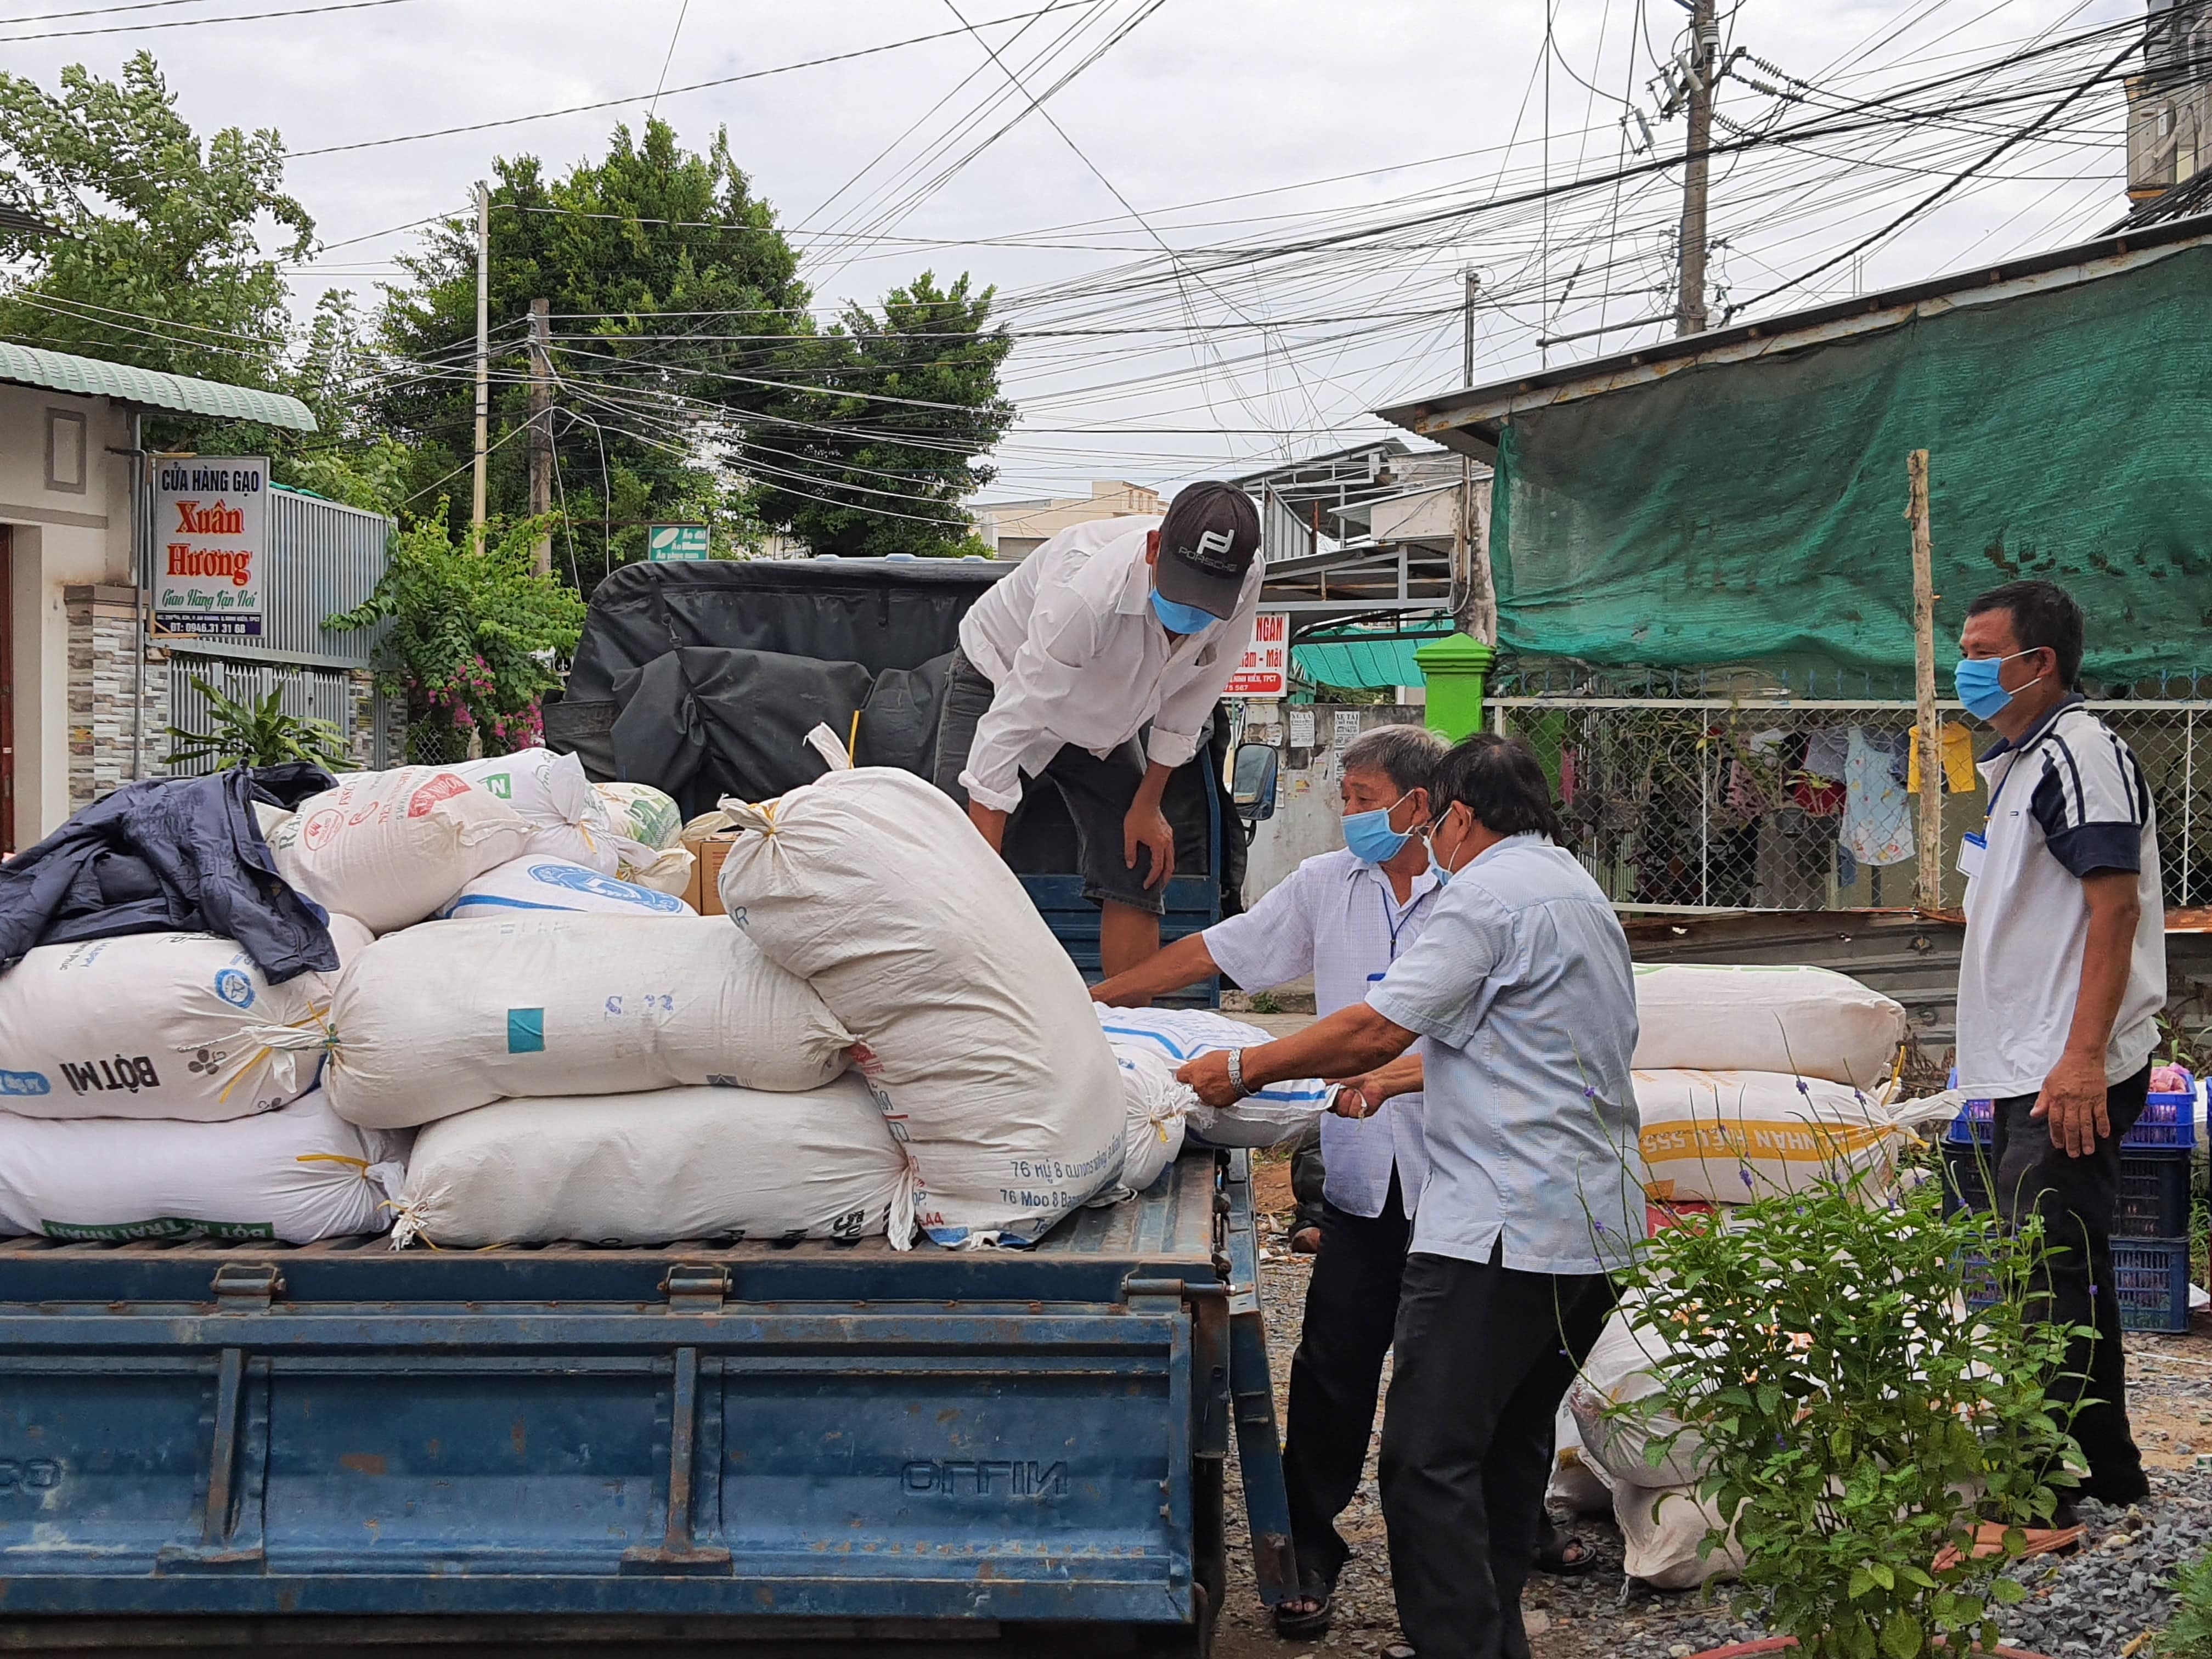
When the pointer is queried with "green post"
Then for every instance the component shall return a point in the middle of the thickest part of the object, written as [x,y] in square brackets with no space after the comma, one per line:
[1455,668]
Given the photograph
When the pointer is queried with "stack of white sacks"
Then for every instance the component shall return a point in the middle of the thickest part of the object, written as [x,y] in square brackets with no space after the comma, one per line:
[1750,1081]
[533,1038]
[157,1086]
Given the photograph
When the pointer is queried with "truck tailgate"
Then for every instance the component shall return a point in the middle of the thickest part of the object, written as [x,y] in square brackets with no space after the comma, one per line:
[821,1431]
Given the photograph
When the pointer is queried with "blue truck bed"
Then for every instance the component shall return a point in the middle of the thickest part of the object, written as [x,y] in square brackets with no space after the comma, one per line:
[257,1443]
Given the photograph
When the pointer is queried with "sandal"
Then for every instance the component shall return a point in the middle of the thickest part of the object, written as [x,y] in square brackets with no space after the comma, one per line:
[1563,1556]
[1316,1589]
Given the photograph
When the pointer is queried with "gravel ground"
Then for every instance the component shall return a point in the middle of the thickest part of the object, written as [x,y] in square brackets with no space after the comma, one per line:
[2092,1606]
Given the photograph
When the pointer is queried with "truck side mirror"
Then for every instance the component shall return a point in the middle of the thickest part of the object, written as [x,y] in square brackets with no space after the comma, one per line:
[1252,783]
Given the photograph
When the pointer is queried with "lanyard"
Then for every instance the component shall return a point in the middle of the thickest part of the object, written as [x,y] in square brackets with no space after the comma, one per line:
[1394,921]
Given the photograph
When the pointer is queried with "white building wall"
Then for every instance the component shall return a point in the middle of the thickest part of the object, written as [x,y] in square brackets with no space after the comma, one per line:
[61,537]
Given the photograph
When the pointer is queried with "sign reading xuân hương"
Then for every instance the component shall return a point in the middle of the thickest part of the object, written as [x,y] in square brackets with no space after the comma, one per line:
[210,519]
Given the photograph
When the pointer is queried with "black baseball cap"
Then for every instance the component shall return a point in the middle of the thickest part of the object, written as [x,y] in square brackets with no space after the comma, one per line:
[1208,543]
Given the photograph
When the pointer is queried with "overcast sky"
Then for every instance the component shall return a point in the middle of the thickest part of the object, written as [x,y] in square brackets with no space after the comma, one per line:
[1201,100]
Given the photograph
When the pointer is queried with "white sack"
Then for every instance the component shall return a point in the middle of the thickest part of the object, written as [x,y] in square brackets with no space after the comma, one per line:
[1577,1484]
[1809,1022]
[665,872]
[1730,1137]
[1156,1107]
[647,1169]
[539,882]
[1617,1374]
[1663,1532]
[976,1028]
[435,1020]
[160,1025]
[390,848]
[296,1174]
[1279,1114]
[642,813]
[551,793]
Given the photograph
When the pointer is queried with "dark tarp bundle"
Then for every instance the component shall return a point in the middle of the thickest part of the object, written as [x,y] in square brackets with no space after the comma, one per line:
[1753,511]
[171,854]
[704,678]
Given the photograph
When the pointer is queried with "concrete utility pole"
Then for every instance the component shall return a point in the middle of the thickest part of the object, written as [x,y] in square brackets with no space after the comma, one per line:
[541,429]
[1697,166]
[483,347]
[1928,737]
[1478,605]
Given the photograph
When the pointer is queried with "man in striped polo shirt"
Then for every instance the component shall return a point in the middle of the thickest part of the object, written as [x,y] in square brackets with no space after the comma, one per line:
[2062,979]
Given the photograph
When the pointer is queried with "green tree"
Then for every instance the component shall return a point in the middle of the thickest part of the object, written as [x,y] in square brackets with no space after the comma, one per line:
[652,259]
[162,266]
[870,445]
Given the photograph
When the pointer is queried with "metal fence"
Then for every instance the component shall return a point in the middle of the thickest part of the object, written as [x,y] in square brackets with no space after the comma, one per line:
[322,558]
[1730,791]
[319,694]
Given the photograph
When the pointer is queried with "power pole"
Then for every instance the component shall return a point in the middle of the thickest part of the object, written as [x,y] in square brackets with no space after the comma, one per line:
[484,349]
[1697,166]
[1928,733]
[1478,606]
[541,429]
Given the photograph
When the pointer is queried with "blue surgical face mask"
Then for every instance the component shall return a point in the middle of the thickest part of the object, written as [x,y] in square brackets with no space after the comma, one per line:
[1435,865]
[1369,837]
[1979,688]
[1181,618]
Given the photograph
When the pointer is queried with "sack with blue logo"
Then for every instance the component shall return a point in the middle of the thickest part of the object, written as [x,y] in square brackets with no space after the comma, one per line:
[537,882]
[1157,1042]
[161,1025]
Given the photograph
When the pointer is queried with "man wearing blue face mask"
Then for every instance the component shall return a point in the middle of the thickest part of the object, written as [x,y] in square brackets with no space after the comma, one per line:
[2061,979]
[1106,630]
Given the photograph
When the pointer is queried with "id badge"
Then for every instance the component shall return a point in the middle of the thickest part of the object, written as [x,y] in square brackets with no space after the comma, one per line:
[1972,849]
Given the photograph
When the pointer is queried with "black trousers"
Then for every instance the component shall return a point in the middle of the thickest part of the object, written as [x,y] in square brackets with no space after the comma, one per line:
[1351,1304]
[1484,1355]
[2077,1197]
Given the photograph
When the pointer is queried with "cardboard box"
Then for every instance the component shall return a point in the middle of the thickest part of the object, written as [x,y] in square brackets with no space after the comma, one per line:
[708,851]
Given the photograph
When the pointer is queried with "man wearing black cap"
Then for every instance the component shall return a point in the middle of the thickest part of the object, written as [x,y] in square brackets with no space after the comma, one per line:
[1107,628]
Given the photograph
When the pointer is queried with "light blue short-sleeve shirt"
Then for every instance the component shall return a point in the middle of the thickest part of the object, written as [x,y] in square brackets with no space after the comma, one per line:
[1523,988]
[1337,918]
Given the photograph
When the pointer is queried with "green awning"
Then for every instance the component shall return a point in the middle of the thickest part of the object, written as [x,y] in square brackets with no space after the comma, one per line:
[168,394]
[1372,665]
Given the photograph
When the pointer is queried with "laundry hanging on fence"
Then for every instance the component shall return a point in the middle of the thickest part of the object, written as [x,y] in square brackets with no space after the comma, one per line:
[1959,777]
[1877,827]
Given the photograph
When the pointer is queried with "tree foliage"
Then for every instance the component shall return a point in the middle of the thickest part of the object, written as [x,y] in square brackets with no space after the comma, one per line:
[475,634]
[875,456]
[629,249]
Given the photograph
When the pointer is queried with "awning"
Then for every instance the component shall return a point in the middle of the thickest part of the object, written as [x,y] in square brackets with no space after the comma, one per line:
[146,388]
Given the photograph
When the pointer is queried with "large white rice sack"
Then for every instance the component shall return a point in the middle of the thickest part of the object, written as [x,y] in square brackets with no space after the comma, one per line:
[1157,1107]
[1808,1021]
[642,813]
[648,829]
[976,1028]
[1577,1484]
[539,882]
[551,793]
[1165,1038]
[390,848]
[1662,1535]
[295,1175]
[647,1168]
[160,1025]
[1618,1442]
[1730,1137]
[435,1020]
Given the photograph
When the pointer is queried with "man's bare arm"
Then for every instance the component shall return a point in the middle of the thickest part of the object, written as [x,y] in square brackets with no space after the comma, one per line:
[1349,1042]
[1186,962]
[2073,1097]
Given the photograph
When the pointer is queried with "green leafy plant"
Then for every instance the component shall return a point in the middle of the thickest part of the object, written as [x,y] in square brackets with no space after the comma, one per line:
[2189,1636]
[253,734]
[474,638]
[1266,1002]
[1856,1421]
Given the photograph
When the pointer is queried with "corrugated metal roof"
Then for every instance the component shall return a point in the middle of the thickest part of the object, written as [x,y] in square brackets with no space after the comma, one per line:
[170,394]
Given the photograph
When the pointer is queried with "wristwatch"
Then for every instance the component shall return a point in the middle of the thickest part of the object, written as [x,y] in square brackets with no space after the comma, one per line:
[1237,1074]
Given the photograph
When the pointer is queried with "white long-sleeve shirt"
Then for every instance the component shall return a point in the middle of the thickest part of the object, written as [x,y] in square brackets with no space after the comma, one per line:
[1077,656]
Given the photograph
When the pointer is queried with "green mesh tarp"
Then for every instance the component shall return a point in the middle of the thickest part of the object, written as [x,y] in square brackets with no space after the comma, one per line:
[1754,512]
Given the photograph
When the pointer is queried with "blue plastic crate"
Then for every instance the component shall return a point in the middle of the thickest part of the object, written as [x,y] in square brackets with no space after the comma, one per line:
[2168,1121]
[2150,1278]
